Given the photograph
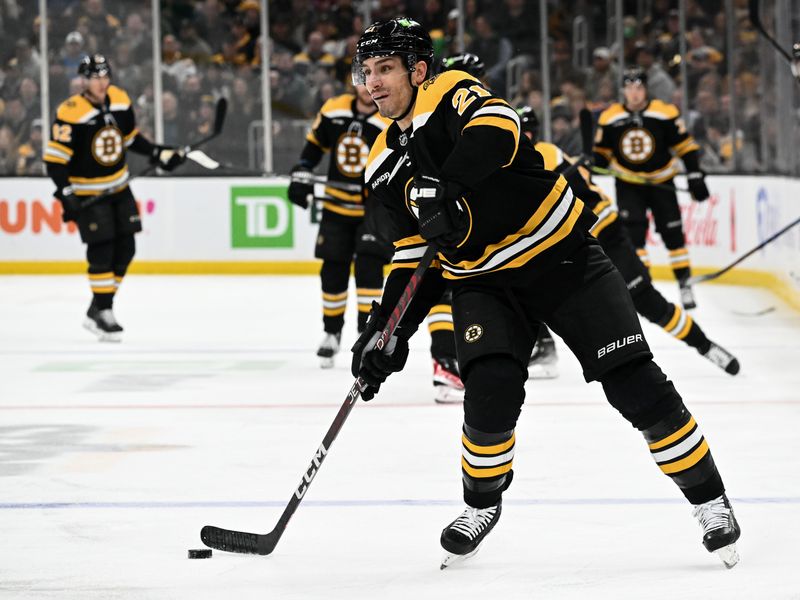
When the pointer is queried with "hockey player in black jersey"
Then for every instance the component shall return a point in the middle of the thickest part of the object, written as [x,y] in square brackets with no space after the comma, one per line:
[346,126]
[641,138]
[514,244]
[85,157]
[617,245]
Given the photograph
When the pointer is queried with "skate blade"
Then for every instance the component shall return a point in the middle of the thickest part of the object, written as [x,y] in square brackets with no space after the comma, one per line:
[326,362]
[103,336]
[451,559]
[728,555]
[542,371]
[448,395]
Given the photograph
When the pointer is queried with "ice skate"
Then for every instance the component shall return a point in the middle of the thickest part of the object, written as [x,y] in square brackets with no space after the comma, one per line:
[103,324]
[328,349]
[722,358]
[720,529]
[462,538]
[543,363]
[447,385]
[687,297]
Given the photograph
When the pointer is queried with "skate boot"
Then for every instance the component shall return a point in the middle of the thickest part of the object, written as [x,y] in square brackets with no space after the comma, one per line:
[328,348]
[720,529]
[687,296]
[543,363]
[447,385]
[103,324]
[722,358]
[462,538]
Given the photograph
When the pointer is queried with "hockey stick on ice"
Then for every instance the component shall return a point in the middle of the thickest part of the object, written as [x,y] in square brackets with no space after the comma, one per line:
[755,19]
[264,543]
[714,275]
[219,120]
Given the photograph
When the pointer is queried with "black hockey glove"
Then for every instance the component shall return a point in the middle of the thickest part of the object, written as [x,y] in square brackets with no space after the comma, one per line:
[167,157]
[697,186]
[372,365]
[442,220]
[70,204]
[301,186]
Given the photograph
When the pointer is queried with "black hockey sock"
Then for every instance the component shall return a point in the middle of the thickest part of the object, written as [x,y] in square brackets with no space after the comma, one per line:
[335,277]
[486,460]
[679,261]
[369,284]
[679,324]
[440,326]
[681,452]
[103,288]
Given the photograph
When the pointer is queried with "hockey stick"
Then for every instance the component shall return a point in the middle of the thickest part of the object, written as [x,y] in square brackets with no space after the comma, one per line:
[637,180]
[219,120]
[755,19]
[710,276]
[255,543]
[205,161]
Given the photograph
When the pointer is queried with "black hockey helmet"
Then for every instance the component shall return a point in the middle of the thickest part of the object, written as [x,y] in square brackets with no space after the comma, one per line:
[95,65]
[634,75]
[396,37]
[471,63]
[528,121]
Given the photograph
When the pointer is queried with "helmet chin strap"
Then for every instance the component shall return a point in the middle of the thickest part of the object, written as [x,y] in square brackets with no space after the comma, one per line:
[414,91]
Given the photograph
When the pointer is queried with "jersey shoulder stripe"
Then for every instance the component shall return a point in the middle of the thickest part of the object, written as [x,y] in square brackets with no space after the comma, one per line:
[552,154]
[613,113]
[433,90]
[378,121]
[75,110]
[377,155]
[661,110]
[338,106]
[118,98]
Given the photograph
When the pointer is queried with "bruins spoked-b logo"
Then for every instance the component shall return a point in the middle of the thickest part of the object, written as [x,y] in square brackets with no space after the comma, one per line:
[351,154]
[107,146]
[637,145]
[473,333]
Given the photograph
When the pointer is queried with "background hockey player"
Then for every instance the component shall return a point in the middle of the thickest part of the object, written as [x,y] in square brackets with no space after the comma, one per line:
[641,138]
[85,158]
[514,246]
[617,245]
[346,126]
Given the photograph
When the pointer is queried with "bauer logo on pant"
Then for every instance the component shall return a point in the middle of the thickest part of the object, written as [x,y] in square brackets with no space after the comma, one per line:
[473,333]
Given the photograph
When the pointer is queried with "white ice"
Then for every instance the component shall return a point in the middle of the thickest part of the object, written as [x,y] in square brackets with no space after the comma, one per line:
[112,457]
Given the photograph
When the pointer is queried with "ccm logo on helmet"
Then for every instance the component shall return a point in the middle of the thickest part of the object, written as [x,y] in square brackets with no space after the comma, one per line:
[619,344]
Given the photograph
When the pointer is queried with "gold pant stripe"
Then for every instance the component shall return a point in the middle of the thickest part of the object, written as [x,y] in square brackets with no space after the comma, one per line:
[673,437]
[496,449]
[484,473]
[688,462]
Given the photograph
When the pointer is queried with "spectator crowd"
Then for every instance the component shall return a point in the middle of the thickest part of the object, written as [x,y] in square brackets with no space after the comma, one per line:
[213,48]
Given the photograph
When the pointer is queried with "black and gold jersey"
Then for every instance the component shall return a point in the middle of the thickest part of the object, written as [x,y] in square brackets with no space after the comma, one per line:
[595,198]
[520,215]
[645,143]
[347,134]
[91,142]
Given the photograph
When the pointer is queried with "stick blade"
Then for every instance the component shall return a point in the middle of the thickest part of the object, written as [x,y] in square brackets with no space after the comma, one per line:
[587,131]
[239,542]
[219,116]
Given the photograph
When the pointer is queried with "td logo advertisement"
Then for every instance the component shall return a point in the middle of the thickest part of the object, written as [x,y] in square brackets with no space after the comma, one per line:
[261,217]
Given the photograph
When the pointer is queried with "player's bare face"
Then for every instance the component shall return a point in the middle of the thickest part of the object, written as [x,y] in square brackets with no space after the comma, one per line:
[635,96]
[96,88]
[364,99]
[387,83]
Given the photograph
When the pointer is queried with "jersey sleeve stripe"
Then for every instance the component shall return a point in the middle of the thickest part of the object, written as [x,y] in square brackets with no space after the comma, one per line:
[376,163]
[60,147]
[685,146]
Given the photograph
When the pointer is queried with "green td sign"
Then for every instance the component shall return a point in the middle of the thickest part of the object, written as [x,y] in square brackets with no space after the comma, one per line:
[261,217]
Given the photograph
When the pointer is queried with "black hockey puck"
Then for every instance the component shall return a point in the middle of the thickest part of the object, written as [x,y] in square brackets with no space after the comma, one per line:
[200,553]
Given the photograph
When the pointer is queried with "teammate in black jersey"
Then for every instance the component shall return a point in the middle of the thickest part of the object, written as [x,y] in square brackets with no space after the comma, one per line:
[643,138]
[617,245]
[85,158]
[346,126]
[454,170]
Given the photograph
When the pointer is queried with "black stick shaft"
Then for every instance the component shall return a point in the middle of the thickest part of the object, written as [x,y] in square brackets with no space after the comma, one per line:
[248,543]
[714,275]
